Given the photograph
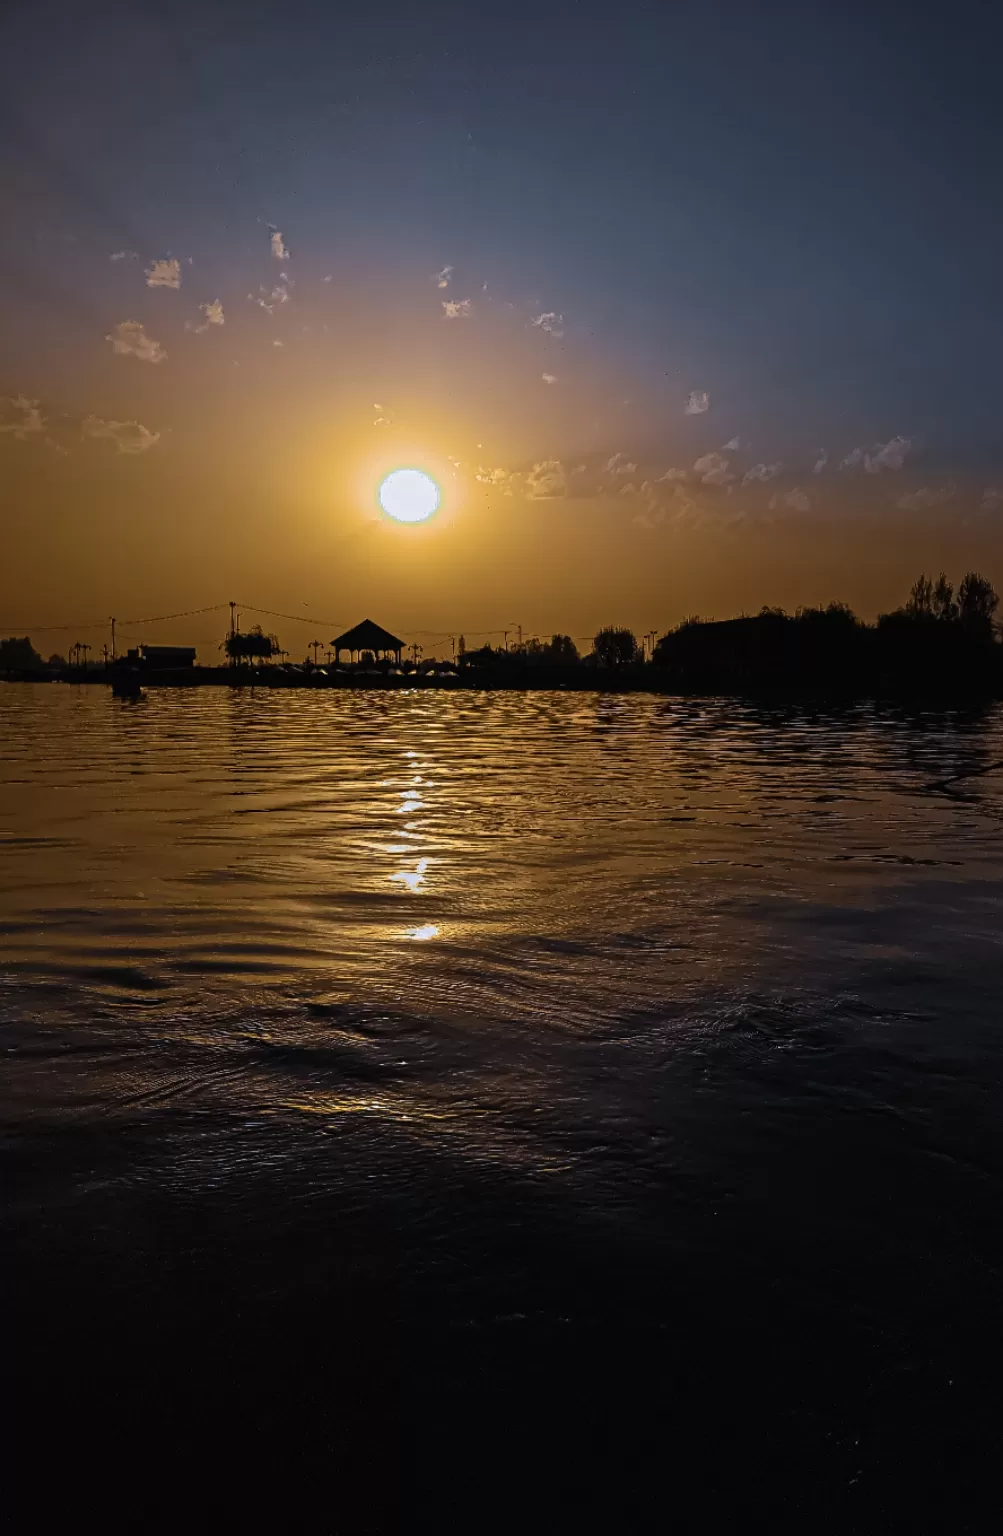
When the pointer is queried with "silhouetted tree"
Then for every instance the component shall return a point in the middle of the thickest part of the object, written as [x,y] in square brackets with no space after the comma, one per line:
[251,646]
[977,603]
[461,648]
[920,603]
[615,647]
[55,660]
[562,650]
[19,655]
[943,604]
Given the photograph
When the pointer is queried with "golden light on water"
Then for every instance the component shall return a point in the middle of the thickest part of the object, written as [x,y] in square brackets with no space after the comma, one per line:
[409,495]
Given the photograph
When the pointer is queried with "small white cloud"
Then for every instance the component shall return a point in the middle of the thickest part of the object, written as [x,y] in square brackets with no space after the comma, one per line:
[270,299]
[630,489]
[20,416]
[165,273]
[329,278]
[128,436]
[129,339]
[492,476]
[992,499]
[762,472]
[124,256]
[456,309]
[441,279]
[619,464]
[277,343]
[674,474]
[852,459]
[279,248]
[213,313]
[546,480]
[890,455]
[549,378]
[713,469]
[697,402]
[927,496]
[820,462]
[549,321]
[732,446]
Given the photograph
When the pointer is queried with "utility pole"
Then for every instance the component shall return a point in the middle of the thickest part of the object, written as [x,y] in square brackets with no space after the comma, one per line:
[415,652]
[112,623]
[452,641]
[316,647]
[505,633]
[104,654]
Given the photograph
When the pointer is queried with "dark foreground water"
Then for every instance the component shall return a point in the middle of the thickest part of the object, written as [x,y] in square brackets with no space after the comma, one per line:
[460,1112]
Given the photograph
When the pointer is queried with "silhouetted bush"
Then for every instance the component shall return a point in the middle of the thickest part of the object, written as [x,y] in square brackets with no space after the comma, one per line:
[615,647]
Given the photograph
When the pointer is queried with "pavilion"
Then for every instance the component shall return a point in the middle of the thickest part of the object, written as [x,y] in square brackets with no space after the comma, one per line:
[368,636]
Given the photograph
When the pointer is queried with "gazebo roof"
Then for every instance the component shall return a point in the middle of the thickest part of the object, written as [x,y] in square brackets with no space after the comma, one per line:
[367,636]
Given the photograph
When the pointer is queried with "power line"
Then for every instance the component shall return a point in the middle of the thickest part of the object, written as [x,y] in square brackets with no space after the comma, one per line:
[297,618]
[187,613]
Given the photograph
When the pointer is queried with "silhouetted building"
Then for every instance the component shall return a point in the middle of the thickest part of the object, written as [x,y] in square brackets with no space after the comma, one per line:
[368,636]
[163,657]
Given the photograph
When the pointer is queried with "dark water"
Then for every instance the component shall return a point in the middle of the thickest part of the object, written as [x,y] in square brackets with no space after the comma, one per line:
[494,1108]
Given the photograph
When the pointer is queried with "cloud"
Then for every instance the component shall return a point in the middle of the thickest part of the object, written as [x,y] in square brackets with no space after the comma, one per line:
[20,416]
[619,464]
[124,256]
[549,321]
[713,469]
[762,472]
[546,480]
[796,500]
[279,248]
[674,474]
[499,477]
[926,496]
[128,436]
[277,343]
[383,418]
[890,455]
[270,299]
[853,458]
[697,402]
[630,489]
[129,339]
[441,279]
[164,273]
[213,316]
[549,378]
[992,499]
[820,462]
[732,446]
[456,309]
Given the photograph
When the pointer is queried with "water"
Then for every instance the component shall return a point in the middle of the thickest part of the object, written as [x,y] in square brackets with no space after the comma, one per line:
[601,1092]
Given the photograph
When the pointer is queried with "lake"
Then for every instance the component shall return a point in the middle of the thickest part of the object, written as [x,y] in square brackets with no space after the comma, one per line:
[474,1098]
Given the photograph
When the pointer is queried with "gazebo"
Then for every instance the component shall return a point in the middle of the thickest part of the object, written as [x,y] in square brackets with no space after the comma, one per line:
[368,636]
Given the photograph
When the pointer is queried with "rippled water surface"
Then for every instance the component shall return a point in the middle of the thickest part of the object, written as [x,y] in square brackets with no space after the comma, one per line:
[603,1012]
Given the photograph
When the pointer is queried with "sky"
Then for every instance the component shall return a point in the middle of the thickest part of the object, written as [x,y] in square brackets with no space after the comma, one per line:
[686,308]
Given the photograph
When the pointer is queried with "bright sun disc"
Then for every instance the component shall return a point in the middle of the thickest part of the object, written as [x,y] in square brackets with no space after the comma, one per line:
[409,496]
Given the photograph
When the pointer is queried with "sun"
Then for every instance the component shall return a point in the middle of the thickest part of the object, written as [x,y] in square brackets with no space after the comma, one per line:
[409,495]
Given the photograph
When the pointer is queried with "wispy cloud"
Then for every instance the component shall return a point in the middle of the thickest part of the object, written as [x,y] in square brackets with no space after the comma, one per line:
[213,314]
[549,321]
[441,279]
[279,248]
[164,273]
[271,299]
[456,309]
[124,256]
[549,378]
[129,339]
[796,500]
[619,464]
[20,417]
[546,480]
[630,489]
[762,472]
[383,417]
[992,499]
[498,477]
[820,462]
[927,496]
[674,474]
[697,402]
[852,459]
[732,446]
[890,455]
[713,469]
[128,436]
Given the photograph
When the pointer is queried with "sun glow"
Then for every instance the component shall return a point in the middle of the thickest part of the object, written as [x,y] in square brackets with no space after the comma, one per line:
[409,496]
